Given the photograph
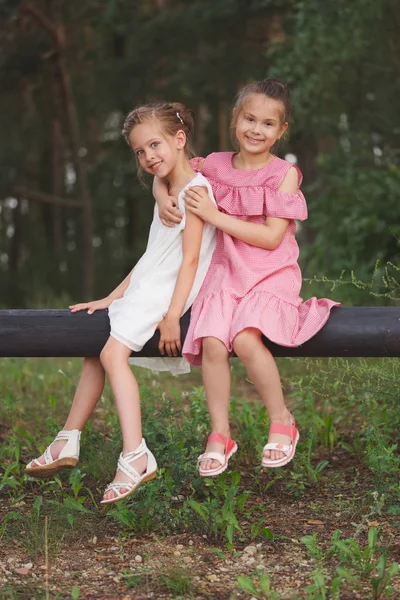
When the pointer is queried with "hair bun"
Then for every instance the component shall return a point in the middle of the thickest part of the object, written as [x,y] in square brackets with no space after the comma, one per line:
[184,115]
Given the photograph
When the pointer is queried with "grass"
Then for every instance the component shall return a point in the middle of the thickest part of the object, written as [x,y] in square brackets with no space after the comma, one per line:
[335,508]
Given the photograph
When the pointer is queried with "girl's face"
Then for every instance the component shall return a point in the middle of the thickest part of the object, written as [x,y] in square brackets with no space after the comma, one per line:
[156,152]
[259,124]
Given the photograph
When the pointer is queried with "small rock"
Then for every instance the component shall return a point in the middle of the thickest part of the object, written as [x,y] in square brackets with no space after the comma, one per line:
[181,498]
[187,559]
[94,540]
[28,565]
[138,558]
[223,570]
[204,536]
[177,553]
[10,560]
[191,542]
[212,577]
[250,560]
[179,546]
[22,571]
[250,550]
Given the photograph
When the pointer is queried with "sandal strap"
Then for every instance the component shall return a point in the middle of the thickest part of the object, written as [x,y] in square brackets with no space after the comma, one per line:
[125,467]
[218,437]
[48,459]
[212,456]
[116,486]
[137,453]
[66,434]
[285,448]
[281,428]
[125,460]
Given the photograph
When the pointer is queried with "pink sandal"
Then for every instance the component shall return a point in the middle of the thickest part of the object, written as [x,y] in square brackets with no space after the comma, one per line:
[288,449]
[223,459]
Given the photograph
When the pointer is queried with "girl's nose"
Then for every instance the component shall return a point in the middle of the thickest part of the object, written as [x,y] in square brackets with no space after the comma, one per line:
[149,154]
[256,127]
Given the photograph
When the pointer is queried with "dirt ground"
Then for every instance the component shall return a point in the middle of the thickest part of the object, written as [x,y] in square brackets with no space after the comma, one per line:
[107,565]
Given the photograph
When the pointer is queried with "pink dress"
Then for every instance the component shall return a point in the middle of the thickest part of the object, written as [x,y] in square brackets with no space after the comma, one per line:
[247,286]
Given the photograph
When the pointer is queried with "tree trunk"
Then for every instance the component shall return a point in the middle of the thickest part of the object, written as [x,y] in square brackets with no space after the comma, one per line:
[57,187]
[57,33]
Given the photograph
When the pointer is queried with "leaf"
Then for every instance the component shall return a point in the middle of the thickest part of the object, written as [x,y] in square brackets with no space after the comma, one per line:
[37,505]
[9,516]
[247,585]
[199,509]
[73,504]
[75,592]
[265,584]
[230,532]
[372,537]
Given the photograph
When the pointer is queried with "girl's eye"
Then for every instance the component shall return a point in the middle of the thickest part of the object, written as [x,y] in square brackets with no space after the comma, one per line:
[250,119]
[139,152]
[154,144]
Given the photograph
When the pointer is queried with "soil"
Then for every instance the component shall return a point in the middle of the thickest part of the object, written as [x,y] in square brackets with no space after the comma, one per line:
[106,565]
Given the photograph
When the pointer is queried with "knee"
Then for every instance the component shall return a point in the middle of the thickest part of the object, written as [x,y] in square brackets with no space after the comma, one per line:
[214,350]
[106,358]
[246,344]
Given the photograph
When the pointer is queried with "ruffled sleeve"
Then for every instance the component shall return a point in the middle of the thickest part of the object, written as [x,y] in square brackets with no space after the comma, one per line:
[196,162]
[286,206]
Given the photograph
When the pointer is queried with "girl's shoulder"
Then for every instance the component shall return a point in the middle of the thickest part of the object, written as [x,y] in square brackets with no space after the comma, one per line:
[218,167]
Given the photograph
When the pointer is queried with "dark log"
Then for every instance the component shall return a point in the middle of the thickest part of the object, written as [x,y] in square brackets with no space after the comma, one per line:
[350,332]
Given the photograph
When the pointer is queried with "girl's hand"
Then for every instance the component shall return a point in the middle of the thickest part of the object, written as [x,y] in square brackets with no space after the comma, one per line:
[199,202]
[170,215]
[170,336]
[92,306]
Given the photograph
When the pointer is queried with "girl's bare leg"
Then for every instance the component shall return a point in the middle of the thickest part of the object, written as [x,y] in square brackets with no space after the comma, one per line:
[217,384]
[262,370]
[87,395]
[114,358]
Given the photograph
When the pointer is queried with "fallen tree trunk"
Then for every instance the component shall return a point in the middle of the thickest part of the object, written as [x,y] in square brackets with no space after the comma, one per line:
[350,332]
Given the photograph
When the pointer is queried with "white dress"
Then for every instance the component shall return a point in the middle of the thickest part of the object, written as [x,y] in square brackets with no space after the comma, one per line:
[135,316]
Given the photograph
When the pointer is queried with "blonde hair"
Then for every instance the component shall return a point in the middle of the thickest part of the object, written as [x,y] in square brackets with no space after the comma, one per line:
[172,117]
[272,87]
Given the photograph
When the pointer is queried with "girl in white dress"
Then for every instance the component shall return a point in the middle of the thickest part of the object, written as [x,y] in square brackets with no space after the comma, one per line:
[155,294]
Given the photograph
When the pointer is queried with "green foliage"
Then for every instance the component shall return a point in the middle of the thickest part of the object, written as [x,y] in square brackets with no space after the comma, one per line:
[347,414]
[340,59]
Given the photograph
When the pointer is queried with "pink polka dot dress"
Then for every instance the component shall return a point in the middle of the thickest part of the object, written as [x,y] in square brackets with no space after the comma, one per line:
[247,286]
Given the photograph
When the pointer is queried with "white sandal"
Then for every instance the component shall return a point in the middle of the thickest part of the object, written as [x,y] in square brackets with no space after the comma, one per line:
[68,457]
[137,479]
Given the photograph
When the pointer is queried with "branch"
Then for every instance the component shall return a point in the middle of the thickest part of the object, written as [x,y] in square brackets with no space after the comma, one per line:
[46,198]
[44,21]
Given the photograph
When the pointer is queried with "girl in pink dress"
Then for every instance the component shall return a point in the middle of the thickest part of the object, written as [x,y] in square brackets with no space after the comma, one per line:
[253,283]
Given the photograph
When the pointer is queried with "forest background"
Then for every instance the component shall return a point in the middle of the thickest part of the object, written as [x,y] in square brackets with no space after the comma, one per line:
[73,217]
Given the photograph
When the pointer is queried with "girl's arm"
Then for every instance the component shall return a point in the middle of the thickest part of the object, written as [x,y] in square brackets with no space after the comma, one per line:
[170,215]
[104,302]
[170,332]
[268,235]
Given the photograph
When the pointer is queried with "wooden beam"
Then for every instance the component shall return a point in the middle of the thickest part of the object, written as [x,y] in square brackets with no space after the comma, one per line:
[350,332]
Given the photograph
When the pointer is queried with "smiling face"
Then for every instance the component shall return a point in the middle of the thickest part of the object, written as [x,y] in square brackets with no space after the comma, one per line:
[259,124]
[156,152]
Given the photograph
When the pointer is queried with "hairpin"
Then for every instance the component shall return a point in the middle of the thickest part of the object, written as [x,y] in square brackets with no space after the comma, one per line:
[180,118]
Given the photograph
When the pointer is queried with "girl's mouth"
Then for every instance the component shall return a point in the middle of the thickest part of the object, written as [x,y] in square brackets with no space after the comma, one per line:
[155,166]
[252,140]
